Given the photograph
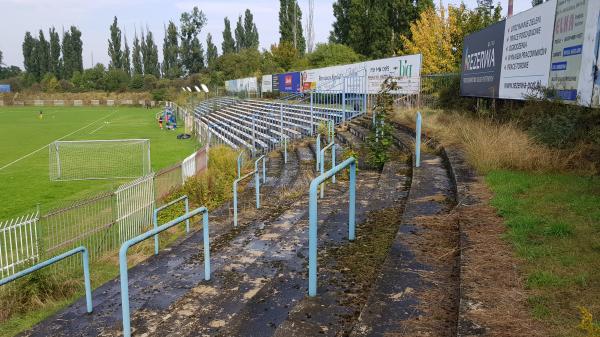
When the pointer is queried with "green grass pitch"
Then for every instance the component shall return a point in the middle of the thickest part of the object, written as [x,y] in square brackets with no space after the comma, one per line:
[26,183]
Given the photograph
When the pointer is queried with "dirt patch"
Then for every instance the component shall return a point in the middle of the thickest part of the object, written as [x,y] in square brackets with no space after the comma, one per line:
[494,296]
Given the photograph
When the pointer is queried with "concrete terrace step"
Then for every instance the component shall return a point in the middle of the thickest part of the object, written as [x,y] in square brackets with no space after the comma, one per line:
[172,273]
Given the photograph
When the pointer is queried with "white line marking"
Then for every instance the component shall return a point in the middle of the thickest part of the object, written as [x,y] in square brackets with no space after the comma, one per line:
[45,146]
[100,127]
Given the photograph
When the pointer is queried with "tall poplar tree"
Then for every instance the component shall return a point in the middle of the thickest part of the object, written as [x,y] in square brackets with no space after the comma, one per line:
[171,63]
[114,46]
[126,63]
[290,25]
[212,54]
[43,54]
[136,56]
[228,45]
[55,50]
[150,55]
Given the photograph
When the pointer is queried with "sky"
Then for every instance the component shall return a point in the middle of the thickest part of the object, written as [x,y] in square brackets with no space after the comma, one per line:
[93,17]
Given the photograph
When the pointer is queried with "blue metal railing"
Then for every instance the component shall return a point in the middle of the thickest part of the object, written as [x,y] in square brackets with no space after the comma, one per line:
[155,217]
[322,162]
[235,201]
[86,271]
[128,244]
[318,151]
[240,163]
[418,140]
[313,217]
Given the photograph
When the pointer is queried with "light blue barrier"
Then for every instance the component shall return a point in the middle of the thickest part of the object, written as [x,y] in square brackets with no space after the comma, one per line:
[313,218]
[285,146]
[257,178]
[155,217]
[322,162]
[318,146]
[418,140]
[240,163]
[128,244]
[86,271]
[235,202]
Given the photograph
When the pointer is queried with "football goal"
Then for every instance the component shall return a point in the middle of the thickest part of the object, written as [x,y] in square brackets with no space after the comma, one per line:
[99,159]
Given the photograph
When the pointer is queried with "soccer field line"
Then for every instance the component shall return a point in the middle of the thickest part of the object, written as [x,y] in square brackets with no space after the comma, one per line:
[61,138]
[98,128]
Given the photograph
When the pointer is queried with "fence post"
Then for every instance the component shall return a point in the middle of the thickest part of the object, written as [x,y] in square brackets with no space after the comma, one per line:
[344,101]
[418,141]
[318,151]
[311,114]
[281,118]
[285,155]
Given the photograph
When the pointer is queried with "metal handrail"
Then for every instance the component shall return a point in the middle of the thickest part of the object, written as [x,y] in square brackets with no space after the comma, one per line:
[86,271]
[124,276]
[312,214]
[235,203]
[418,140]
[322,162]
[155,217]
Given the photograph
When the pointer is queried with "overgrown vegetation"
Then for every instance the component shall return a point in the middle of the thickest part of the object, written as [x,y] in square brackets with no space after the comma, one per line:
[491,145]
[380,140]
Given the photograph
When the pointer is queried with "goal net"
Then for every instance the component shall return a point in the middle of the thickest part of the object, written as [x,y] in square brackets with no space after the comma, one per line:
[99,159]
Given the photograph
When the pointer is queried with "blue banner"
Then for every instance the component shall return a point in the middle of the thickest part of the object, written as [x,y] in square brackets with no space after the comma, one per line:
[290,82]
[4,87]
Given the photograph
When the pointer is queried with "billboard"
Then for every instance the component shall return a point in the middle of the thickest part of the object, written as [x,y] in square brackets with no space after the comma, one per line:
[555,44]
[266,84]
[527,52]
[275,83]
[289,82]
[248,84]
[405,70]
[567,47]
[4,87]
[482,62]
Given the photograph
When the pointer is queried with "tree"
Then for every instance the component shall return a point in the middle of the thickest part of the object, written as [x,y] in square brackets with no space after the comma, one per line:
[72,49]
[377,26]
[250,32]
[228,45]
[55,62]
[29,55]
[1,63]
[150,55]
[192,53]
[290,25]
[431,36]
[285,55]
[136,55]
[240,35]
[171,62]
[126,62]
[43,54]
[212,54]
[114,46]
[93,78]
[329,54]
[341,26]
[115,80]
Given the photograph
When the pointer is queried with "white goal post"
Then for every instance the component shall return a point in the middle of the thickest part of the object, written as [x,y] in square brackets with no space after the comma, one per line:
[99,159]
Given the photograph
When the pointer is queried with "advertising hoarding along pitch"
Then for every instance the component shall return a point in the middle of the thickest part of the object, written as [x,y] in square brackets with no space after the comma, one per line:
[267,83]
[4,87]
[289,82]
[527,52]
[482,62]
[405,70]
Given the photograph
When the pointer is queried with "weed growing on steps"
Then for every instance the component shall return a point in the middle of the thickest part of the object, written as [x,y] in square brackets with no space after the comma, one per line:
[380,140]
[587,323]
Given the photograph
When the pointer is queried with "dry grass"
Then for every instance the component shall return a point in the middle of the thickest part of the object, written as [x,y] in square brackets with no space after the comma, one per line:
[490,146]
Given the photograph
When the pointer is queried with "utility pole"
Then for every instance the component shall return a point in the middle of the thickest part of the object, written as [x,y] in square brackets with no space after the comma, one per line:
[310,30]
[295,27]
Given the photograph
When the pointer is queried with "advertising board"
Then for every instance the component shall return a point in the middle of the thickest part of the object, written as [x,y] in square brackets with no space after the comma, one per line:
[482,62]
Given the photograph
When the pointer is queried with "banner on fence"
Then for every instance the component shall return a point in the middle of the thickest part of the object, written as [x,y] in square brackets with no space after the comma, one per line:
[266,84]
